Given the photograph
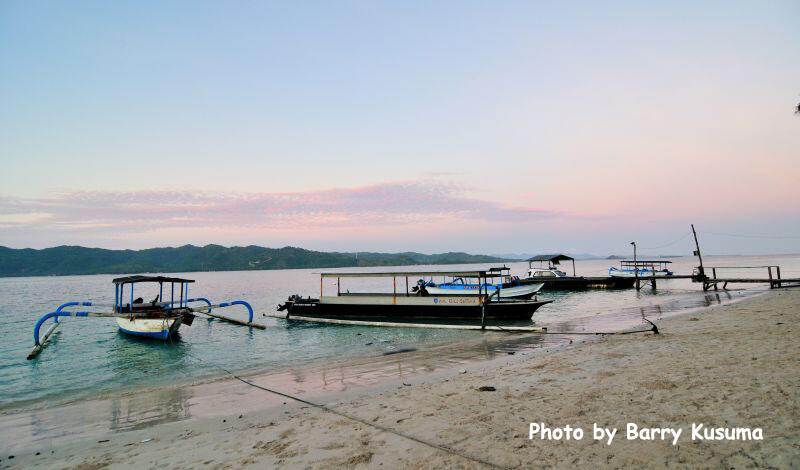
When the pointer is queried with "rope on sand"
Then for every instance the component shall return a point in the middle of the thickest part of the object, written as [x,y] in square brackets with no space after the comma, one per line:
[410,437]
[653,330]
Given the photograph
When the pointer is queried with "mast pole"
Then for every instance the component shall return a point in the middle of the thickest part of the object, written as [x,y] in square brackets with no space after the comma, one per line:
[699,256]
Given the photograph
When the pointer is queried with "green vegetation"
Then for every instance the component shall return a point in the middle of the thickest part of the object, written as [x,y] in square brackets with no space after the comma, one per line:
[71,260]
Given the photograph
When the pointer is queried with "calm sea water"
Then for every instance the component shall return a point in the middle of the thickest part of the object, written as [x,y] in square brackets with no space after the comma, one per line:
[89,356]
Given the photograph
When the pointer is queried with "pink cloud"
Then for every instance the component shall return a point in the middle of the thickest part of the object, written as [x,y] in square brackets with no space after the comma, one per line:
[387,204]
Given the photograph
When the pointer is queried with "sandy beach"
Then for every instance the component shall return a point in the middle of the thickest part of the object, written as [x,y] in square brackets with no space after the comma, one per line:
[731,366]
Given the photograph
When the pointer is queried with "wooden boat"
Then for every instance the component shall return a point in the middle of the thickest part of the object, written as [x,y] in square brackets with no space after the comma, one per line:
[506,287]
[644,268]
[409,305]
[553,278]
[155,319]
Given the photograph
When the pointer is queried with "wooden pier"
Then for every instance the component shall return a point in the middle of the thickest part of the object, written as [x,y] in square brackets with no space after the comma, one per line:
[773,278]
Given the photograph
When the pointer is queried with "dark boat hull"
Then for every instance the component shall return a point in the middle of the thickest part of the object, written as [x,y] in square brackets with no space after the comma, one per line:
[580,282]
[505,310]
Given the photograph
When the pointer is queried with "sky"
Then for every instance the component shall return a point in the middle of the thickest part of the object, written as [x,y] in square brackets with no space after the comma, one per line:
[485,127]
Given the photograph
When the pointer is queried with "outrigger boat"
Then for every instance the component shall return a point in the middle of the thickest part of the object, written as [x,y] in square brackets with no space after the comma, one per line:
[645,268]
[155,319]
[507,287]
[408,305]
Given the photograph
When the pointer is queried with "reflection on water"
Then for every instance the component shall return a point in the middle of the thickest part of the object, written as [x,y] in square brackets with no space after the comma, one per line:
[146,409]
[132,354]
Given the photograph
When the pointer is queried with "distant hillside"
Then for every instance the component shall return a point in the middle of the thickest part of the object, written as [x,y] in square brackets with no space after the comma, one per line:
[525,256]
[70,260]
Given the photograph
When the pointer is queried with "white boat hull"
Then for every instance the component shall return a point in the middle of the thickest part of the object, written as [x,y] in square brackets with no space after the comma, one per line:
[518,292]
[159,328]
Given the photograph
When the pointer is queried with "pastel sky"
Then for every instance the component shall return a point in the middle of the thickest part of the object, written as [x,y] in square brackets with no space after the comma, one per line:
[487,127]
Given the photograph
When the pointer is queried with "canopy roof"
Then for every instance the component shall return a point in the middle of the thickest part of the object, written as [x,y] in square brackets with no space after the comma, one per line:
[552,258]
[640,261]
[412,273]
[135,279]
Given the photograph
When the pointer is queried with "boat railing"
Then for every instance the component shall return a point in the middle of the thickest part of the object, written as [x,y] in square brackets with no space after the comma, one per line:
[188,301]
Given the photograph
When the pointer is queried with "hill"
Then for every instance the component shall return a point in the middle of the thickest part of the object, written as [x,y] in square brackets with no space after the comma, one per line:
[72,260]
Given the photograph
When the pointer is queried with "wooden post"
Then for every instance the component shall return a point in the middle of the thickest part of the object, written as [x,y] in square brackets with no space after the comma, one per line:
[769,270]
[394,287]
[714,273]
[483,304]
[636,267]
[320,286]
[406,286]
[338,286]
[573,268]
[778,268]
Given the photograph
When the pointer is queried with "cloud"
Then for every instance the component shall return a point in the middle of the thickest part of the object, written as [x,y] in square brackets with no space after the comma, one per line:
[387,204]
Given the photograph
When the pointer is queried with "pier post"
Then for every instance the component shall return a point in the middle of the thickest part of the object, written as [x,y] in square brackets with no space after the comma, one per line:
[714,273]
[483,302]
[636,267]
[769,270]
[778,268]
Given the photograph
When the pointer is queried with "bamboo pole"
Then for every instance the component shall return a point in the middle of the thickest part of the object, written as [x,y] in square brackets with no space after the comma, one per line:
[223,317]
[38,348]
[233,320]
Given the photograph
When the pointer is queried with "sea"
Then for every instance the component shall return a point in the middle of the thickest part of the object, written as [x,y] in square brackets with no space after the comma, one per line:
[89,357]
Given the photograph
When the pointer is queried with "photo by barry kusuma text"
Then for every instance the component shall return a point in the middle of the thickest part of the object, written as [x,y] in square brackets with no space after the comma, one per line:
[633,432]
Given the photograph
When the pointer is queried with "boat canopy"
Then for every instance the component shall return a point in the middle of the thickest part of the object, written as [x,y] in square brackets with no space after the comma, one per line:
[554,260]
[135,279]
[644,261]
[489,273]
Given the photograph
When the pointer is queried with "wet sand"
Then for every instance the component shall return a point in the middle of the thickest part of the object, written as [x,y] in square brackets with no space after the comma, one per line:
[732,365]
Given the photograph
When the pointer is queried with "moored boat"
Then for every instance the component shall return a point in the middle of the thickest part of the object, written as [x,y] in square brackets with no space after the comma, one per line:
[555,279]
[154,319]
[505,287]
[406,305]
[642,268]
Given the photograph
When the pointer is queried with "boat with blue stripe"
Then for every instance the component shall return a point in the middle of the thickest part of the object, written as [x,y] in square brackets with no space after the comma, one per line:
[506,286]
[641,268]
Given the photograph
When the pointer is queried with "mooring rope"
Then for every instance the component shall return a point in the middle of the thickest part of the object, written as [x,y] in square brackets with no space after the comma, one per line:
[653,330]
[410,437]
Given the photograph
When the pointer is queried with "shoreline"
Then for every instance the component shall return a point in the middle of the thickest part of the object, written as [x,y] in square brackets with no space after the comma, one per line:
[272,419]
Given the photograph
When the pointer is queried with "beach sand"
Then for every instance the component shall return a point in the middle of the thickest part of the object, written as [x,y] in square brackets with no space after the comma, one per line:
[735,365]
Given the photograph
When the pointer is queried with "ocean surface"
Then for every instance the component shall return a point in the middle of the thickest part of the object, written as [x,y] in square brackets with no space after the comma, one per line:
[88,356]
